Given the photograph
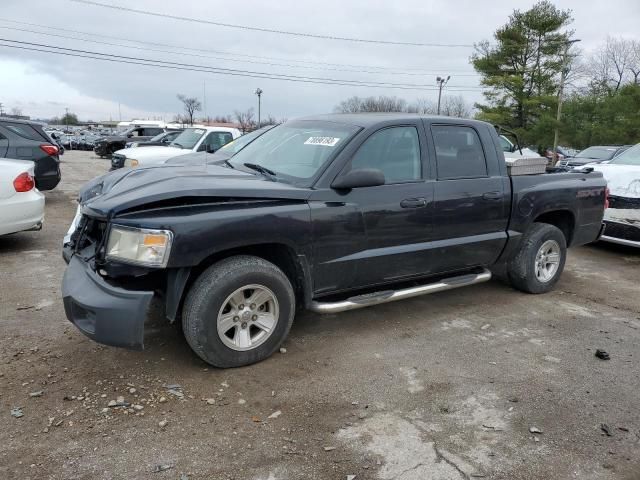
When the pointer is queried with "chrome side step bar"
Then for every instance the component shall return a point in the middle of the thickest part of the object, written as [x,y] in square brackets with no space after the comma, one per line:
[369,299]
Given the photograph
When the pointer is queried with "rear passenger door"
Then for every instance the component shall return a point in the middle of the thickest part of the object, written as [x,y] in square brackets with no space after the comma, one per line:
[470,204]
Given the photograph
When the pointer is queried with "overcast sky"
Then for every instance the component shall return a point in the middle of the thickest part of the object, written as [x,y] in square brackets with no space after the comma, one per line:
[43,85]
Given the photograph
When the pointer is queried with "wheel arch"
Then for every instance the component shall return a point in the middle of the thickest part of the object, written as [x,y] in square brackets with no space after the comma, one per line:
[294,265]
[562,219]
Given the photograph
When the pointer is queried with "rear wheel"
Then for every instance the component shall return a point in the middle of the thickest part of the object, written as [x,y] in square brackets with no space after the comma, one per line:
[238,311]
[538,265]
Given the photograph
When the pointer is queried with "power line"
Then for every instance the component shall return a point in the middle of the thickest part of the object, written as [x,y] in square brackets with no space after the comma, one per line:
[269,30]
[220,70]
[222,58]
[238,54]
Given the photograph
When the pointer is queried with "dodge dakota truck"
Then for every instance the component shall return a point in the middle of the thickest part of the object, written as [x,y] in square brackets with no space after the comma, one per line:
[326,213]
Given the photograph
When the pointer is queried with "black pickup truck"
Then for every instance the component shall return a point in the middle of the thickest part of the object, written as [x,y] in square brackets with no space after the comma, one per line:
[105,146]
[328,213]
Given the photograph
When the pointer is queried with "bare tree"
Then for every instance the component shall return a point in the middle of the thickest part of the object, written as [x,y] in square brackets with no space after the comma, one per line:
[610,65]
[16,112]
[423,106]
[371,104]
[634,61]
[245,119]
[191,106]
[222,119]
[455,106]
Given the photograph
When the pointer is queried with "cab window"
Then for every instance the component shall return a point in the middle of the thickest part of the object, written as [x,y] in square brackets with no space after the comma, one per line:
[395,151]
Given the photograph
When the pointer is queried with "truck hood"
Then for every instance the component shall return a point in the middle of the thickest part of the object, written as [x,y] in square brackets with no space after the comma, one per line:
[153,155]
[622,180]
[127,189]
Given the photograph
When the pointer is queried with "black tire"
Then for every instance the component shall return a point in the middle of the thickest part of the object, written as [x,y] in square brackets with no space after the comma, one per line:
[205,300]
[521,268]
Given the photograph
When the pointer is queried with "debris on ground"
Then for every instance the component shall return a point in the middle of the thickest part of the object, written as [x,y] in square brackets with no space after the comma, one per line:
[328,449]
[351,477]
[211,401]
[602,355]
[162,468]
[175,390]
[606,429]
[283,350]
[535,430]
[163,423]
[275,414]
[17,412]
[36,394]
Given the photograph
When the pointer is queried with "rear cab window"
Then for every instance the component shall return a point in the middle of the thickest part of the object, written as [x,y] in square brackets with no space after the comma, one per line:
[459,152]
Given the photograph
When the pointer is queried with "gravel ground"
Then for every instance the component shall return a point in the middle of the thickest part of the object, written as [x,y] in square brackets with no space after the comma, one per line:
[447,386]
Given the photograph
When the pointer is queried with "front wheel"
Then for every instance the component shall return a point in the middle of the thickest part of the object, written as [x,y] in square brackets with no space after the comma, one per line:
[537,266]
[238,312]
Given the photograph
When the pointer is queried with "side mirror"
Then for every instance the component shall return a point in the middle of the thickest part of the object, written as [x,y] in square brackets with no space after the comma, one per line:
[211,149]
[358,178]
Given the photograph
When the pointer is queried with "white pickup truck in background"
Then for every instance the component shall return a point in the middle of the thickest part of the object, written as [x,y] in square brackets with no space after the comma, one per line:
[194,139]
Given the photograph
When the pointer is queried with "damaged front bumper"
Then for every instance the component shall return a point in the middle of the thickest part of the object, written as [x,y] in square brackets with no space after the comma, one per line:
[103,312]
[622,226]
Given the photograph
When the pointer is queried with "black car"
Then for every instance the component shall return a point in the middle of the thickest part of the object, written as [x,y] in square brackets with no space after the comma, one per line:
[329,213]
[595,154]
[161,140]
[105,146]
[26,140]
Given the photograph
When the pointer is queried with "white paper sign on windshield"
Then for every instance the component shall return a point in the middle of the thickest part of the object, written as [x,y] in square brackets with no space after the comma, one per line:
[324,141]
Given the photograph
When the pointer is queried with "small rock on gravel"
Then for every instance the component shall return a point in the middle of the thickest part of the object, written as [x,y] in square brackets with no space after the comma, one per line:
[16,412]
[535,430]
[36,394]
[275,414]
[163,423]
[283,350]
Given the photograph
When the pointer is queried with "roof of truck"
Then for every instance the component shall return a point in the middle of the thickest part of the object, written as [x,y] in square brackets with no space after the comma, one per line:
[369,119]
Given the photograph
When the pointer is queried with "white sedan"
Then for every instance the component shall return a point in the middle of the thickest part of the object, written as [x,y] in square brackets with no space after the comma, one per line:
[21,204]
[195,139]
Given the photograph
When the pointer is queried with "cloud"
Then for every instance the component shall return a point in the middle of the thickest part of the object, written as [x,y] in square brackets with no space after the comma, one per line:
[94,88]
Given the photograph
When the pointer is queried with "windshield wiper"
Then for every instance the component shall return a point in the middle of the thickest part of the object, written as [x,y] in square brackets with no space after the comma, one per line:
[176,143]
[228,163]
[270,174]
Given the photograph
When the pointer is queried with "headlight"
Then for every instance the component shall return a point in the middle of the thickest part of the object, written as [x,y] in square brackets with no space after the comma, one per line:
[130,162]
[139,246]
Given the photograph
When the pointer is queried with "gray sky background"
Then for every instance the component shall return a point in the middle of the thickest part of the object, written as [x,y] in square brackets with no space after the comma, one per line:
[42,85]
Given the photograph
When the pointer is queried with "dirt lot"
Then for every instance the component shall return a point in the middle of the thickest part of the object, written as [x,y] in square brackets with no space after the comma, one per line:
[446,386]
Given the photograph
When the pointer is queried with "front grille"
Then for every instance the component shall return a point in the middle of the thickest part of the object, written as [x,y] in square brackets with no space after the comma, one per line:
[622,230]
[89,236]
[117,160]
[623,202]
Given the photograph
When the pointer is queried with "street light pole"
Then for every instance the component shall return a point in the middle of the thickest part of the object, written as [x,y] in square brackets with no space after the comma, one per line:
[563,79]
[259,94]
[441,81]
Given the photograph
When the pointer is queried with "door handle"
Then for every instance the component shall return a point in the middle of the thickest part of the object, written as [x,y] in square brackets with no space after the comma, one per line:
[492,195]
[413,202]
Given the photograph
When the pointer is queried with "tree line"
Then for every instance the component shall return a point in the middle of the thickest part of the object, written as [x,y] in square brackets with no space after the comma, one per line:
[521,71]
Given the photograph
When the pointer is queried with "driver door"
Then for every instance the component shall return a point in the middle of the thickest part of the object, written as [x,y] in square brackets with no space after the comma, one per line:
[395,218]
[214,140]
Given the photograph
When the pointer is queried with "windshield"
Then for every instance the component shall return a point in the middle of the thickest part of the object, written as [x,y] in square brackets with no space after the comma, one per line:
[188,138]
[239,143]
[628,157]
[597,153]
[296,151]
[158,137]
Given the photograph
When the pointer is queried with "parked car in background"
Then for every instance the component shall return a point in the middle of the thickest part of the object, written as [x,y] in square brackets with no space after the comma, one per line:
[595,154]
[194,139]
[622,218]
[160,140]
[561,153]
[105,146]
[329,213]
[221,155]
[26,140]
[512,150]
[21,204]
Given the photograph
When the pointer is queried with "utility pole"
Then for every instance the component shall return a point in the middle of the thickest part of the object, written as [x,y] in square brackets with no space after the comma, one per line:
[1,111]
[441,81]
[563,78]
[259,94]
[204,100]
[119,113]
[66,118]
